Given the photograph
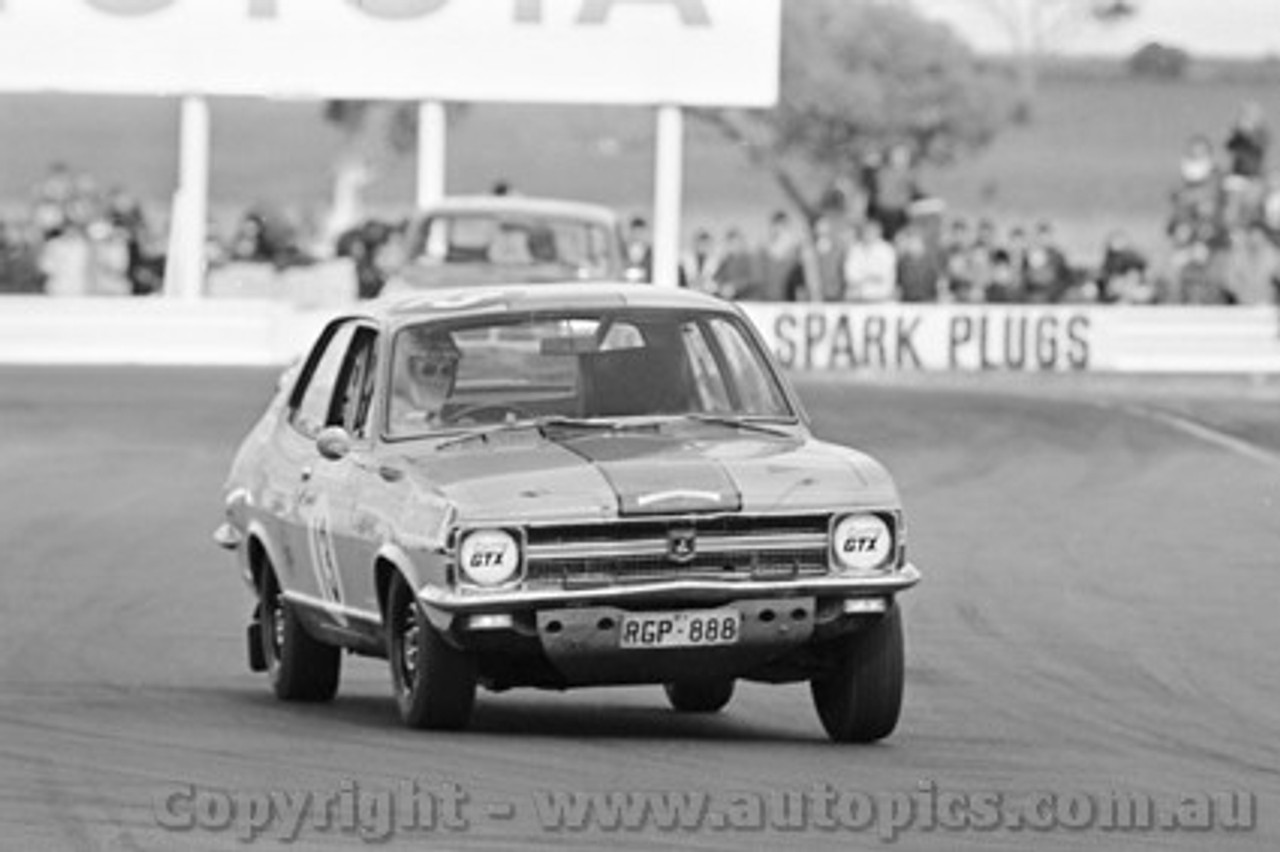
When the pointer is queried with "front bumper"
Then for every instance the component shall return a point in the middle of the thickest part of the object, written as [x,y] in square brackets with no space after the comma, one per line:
[667,593]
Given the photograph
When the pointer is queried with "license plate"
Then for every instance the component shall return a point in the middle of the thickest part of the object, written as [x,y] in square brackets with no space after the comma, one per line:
[685,629]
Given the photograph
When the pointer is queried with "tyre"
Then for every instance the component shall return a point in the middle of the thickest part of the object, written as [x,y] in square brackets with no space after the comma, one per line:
[860,700]
[693,696]
[300,667]
[434,683]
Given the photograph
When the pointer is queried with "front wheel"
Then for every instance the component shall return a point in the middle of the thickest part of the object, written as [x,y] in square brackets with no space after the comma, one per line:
[434,683]
[860,700]
[699,696]
[300,667]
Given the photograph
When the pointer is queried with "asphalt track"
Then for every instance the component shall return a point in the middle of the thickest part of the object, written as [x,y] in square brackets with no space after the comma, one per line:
[1098,614]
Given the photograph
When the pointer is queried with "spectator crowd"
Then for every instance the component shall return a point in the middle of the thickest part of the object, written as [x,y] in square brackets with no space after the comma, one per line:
[79,239]
[878,238]
[1223,232]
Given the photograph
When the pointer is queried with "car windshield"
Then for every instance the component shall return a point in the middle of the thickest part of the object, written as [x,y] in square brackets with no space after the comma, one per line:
[519,242]
[579,367]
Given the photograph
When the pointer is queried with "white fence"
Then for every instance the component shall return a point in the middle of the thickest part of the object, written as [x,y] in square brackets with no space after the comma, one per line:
[40,330]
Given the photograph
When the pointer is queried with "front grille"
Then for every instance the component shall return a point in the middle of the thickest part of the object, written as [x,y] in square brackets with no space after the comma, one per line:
[728,548]
[719,525]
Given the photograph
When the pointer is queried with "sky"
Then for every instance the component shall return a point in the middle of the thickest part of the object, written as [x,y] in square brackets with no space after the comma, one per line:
[1234,28]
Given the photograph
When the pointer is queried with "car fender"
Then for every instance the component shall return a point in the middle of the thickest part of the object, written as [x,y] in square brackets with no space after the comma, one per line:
[258,533]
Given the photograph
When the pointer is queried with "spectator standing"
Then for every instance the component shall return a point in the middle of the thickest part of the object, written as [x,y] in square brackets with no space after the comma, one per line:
[780,266]
[1194,277]
[1253,268]
[361,244]
[1244,186]
[1199,201]
[1122,275]
[738,275]
[829,254]
[918,270]
[956,261]
[1007,284]
[893,187]
[1048,274]
[639,249]
[64,261]
[982,256]
[698,266]
[870,266]
[1247,143]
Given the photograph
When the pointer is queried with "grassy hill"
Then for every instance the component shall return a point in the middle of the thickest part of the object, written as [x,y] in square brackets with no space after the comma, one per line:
[1102,153]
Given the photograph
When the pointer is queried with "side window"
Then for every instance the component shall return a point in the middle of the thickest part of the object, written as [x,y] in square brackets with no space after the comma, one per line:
[315,403]
[357,380]
[757,391]
[713,396]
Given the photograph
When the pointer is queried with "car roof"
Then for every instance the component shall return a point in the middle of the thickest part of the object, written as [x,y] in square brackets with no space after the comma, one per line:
[476,301]
[519,205]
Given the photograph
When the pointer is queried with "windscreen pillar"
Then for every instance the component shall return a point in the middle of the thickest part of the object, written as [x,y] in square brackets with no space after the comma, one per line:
[432,151]
[188,230]
[668,196]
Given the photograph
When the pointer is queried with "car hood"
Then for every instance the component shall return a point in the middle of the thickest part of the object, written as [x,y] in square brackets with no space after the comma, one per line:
[525,477]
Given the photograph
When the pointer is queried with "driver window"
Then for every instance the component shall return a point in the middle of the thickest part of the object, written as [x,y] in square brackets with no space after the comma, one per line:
[357,382]
[313,409]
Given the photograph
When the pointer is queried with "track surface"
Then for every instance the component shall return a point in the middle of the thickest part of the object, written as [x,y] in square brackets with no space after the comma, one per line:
[1099,612]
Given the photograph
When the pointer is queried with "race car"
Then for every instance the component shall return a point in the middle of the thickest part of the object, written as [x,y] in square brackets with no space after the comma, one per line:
[488,239]
[560,486]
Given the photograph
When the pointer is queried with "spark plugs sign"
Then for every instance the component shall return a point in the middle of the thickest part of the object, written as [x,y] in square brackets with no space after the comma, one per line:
[929,337]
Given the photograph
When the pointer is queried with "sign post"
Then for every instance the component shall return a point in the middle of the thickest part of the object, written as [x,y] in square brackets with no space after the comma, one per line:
[433,130]
[184,277]
[668,196]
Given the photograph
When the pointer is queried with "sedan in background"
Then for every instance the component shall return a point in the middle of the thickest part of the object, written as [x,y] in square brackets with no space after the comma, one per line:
[490,239]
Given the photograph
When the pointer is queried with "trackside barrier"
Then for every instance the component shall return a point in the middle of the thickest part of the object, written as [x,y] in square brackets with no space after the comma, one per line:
[1059,338]
[41,330]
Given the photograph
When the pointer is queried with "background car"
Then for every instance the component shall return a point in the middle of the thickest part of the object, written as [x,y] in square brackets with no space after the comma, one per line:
[553,486]
[487,239]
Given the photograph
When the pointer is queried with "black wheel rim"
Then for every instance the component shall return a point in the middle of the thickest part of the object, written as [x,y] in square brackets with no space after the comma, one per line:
[409,634]
[273,628]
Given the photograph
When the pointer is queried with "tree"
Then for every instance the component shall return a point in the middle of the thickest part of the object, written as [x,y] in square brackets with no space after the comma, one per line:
[1156,61]
[857,77]
[375,134]
[1035,28]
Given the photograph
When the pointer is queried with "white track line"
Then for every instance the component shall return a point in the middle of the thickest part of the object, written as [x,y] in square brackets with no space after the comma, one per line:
[1208,434]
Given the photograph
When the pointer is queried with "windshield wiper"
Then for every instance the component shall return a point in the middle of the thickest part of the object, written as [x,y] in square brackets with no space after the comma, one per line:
[542,424]
[770,427]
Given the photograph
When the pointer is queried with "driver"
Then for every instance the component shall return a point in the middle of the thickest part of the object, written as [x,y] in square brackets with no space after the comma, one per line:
[425,367]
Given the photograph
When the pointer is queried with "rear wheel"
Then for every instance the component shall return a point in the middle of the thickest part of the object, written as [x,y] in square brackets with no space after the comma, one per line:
[434,683]
[699,696]
[860,700]
[300,667]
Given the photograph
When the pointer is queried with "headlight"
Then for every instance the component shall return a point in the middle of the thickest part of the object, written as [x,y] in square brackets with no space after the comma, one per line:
[489,557]
[862,542]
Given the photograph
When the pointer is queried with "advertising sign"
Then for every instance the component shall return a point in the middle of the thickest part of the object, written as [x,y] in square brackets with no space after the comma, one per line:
[644,52]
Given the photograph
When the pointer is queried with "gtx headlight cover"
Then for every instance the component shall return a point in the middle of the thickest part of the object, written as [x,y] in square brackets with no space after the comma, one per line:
[489,557]
[862,542]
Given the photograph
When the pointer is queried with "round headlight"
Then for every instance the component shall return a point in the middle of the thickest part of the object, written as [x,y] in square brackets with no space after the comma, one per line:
[862,542]
[489,557]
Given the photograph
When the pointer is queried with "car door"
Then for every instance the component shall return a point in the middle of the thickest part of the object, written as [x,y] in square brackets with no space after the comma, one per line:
[307,478]
[347,534]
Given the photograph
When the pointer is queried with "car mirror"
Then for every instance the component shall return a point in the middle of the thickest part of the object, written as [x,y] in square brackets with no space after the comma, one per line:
[333,442]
